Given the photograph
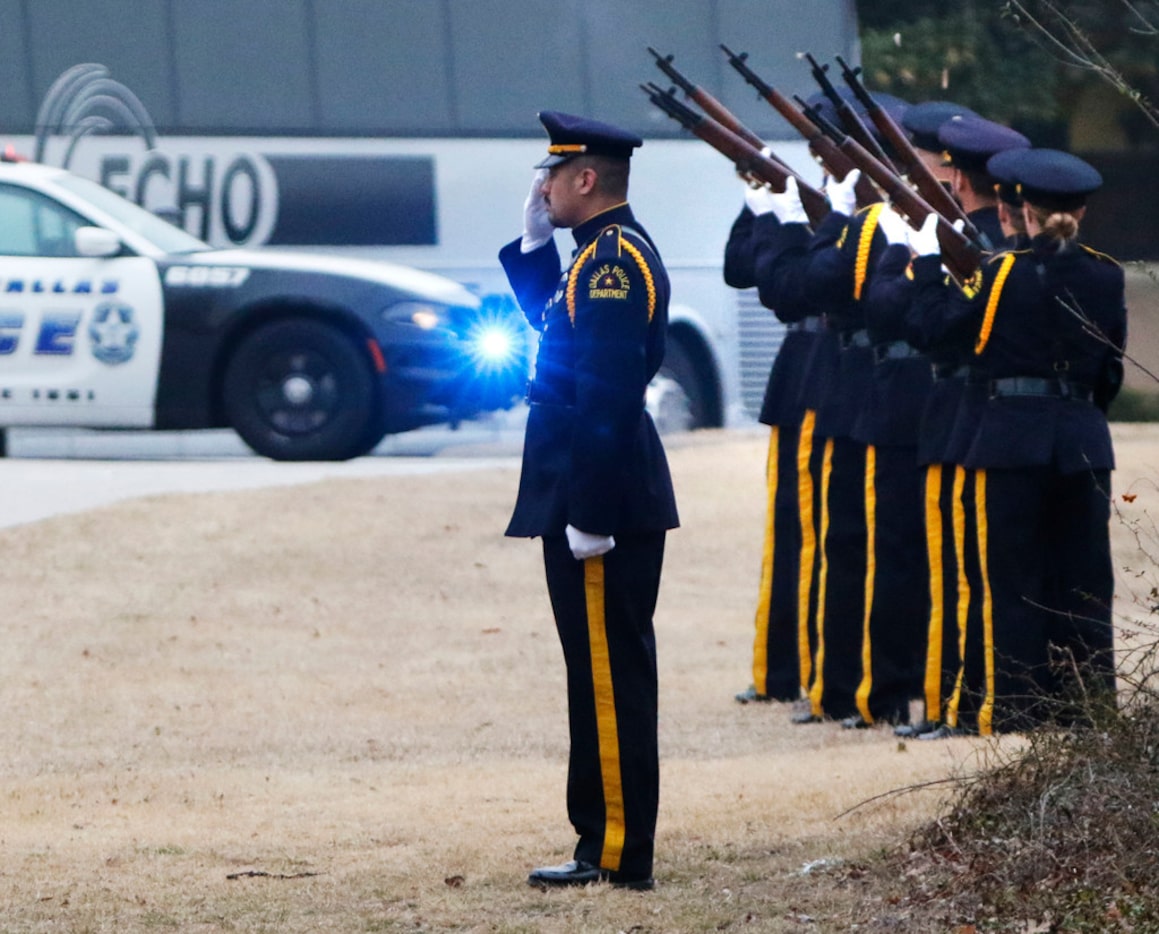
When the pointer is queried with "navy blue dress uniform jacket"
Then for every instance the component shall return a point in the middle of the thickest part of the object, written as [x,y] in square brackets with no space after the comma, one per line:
[592,457]
[1031,318]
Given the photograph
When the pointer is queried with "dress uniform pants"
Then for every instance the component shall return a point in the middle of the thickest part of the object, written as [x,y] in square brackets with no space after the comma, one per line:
[841,580]
[1047,585]
[896,595]
[603,612]
[776,667]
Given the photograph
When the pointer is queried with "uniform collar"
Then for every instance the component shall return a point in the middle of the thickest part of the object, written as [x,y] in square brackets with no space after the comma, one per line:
[587,231]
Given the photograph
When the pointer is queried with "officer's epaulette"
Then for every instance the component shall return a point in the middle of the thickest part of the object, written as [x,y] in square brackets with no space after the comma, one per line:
[611,245]
[1103,256]
[1000,255]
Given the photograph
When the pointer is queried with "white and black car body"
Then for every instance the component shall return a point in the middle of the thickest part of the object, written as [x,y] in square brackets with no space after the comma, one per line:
[112,318]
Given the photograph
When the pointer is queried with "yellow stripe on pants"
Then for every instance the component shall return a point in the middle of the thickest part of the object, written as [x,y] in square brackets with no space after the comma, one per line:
[606,727]
[817,689]
[765,598]
[934,545]
[986,712]
[808,546]
[866,686]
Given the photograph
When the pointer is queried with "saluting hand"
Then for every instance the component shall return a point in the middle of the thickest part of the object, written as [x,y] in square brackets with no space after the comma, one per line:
[537,226]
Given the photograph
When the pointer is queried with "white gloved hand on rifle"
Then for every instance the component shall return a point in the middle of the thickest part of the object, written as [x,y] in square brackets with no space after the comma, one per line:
[786,205]
[924,240]
[893,226]
[841,194]
[585,545]
[537,226]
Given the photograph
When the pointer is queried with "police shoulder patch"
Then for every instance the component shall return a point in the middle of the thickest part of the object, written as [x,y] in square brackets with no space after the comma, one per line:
[609,281]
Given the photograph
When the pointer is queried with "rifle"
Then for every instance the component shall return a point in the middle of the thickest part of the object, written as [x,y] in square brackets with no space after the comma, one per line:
[832,159]
[748,159]
[915,169]
[849,118]
[960,254]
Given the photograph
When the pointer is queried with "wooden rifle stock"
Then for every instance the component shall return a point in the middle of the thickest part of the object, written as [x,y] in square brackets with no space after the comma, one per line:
[961,255]
[832,159]
[915,169]
[748,159]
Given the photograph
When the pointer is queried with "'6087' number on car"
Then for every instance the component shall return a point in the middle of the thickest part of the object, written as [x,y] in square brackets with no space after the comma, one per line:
[228,277]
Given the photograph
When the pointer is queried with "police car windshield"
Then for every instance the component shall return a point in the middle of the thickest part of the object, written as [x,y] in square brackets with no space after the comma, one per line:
[160,233]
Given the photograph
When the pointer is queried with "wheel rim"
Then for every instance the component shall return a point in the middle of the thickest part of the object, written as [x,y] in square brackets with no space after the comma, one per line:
[669,405]
[297,392]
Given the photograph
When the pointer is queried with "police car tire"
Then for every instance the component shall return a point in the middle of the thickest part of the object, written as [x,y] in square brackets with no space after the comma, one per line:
[337,411]
[679,367]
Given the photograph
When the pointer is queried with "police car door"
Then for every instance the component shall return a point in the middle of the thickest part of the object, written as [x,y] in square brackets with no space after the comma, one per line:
[80,336]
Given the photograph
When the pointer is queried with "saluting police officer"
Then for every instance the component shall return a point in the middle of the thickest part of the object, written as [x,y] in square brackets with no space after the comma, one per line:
[1046,325]
[595,484]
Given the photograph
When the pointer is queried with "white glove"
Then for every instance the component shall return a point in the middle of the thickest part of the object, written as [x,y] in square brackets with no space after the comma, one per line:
[786,205]
[537,226]
[924,241]
[893,226]
[759,199]
[586,545]
[842,197]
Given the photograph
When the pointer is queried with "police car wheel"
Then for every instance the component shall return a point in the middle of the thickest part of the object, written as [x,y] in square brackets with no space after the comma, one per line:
[675,397]
[299,390]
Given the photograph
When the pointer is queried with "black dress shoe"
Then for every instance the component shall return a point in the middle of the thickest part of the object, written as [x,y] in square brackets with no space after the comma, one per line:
[750,695]
[913,730]
[578,872]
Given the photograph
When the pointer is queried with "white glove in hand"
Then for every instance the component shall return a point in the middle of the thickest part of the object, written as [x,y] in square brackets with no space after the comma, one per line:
[842,197]
[759,199]
[786,205]
[585,545]
[893,226]
[537,227]
[924,242]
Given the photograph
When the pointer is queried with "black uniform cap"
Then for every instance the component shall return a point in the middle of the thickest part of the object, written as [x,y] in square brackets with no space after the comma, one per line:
[1047,178]
[925,119]
[572,136]
[970,141]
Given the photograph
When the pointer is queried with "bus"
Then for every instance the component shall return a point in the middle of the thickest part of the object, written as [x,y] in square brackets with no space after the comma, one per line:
[406,130]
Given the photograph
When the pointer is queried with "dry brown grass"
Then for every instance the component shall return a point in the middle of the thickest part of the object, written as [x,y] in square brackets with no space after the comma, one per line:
[351,694]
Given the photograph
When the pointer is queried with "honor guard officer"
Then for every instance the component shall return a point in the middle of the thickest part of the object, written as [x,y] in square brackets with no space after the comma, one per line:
[595,485]
[1046,325]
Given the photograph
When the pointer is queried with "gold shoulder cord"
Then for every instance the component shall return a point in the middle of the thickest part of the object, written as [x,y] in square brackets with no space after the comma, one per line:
[992,303]
[589,252]
[863,246]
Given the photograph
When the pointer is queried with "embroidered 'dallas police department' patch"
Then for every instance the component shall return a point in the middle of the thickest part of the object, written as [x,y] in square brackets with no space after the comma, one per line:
[609,281]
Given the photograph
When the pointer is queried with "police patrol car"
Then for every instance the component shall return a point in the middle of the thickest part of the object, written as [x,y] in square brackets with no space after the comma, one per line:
[111,317]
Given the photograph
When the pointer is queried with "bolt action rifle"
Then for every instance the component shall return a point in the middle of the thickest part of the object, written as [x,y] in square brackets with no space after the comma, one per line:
[711,106]
[960,254]
[832,159]
[849,117]
[748,159]
[915,169]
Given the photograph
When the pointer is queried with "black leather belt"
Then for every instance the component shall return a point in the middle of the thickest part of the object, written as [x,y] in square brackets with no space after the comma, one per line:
[894,350]
[950,371]
[1038,386]
[855,339]
[537,395]
[810,325]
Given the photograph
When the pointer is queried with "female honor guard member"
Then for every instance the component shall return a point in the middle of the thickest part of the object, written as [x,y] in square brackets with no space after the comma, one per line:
[595,484]
[1047,326]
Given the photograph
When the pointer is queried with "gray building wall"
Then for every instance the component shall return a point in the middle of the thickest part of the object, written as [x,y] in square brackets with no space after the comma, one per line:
[411,67]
